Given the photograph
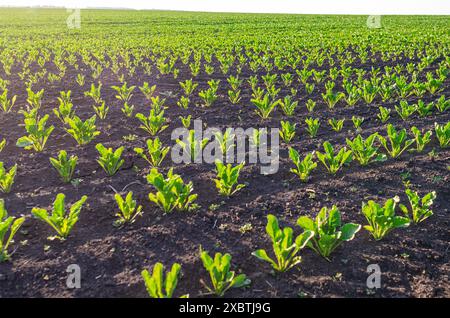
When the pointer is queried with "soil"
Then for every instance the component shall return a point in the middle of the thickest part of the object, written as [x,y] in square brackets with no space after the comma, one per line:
[414,262]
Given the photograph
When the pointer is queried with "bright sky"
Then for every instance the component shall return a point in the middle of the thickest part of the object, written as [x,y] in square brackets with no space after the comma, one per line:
[374,7]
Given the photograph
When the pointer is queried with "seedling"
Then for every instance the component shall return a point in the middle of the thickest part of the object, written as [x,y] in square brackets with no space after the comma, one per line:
[61,222]
[222,279]
[109,159]
[285,248]
[64,165]
[7,223]
[329,231]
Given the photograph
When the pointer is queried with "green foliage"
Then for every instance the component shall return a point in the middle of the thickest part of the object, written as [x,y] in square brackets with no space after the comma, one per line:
[398,141]
[65,109]
[421,139]
[186,121]
[192,146]
[128,209]
[382,219]
[287,132]
[442,104]
[357,121]
[64,165]
[2,144]
[160,286]
[384,114]
[101,110]
[443,134]
[264,106]
[336,124]
[59,220]
[6,103]
[405,110]
[222,278]
[95,93]
[82,131]
[7,177]
[37,134]
[147,90]
[333,162]
[7,223]
[155,152]
[109,159]
[288,106]
[313,126]
[285,248]
[124,93]
[171,191]
[420,207]
[188,86]
[227,178]
[34,99]
[303,167]
[153,123]
[364,150]
[329,232]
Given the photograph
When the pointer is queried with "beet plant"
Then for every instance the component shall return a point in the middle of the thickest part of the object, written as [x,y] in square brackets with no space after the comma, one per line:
[128,209]
[285,247]
[159,285]
[64,165]
[227,178]
[109,159]
[61,221]
[38,134]
[222,278]
[329,232]
[11,224]
[82,131]
[155,152]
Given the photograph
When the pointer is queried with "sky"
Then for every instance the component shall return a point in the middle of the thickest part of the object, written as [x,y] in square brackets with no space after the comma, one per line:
[374,7]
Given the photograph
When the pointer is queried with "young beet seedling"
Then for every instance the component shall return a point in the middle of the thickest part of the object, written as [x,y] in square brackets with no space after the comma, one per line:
[61,222]
[192,146]
[156,152]
[64,165]
[171,191]
[7,223]
[329,231]
[227,178]
[420,207]
[443,134]
[364,151]
[159,286]
[284,246]
[422,139]
[129,209]
[110,160]
[82,131]
[397,140]
[382,219]
[303,167]
[153,123]
[222,278]
[37,134]
[287,132]
[333,162]
[7,178]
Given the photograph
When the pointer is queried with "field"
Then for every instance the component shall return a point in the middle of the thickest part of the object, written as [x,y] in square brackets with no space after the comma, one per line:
[252,71]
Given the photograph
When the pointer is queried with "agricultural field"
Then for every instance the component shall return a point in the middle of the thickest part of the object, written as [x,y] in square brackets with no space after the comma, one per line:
[359,186]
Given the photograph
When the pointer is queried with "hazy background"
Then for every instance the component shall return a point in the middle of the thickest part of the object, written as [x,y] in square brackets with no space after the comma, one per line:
[374,7]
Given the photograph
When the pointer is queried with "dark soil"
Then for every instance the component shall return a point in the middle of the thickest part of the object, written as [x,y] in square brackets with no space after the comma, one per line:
[414,261]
